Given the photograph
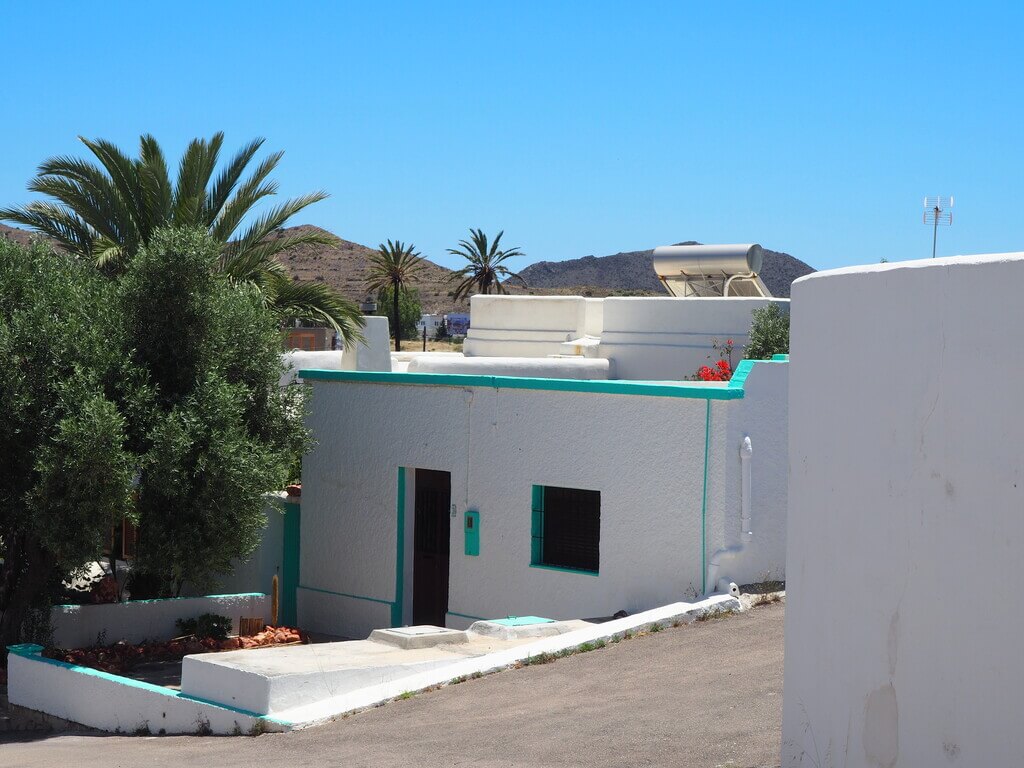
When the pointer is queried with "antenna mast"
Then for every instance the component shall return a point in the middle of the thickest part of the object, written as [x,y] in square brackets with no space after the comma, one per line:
[938,210]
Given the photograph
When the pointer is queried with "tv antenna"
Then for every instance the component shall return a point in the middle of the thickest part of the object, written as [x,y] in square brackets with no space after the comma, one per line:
[938,210]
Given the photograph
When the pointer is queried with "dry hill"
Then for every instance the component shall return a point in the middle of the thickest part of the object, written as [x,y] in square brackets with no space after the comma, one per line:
[344,265]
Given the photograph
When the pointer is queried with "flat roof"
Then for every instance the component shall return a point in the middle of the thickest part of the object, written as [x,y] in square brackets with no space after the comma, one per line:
[731,390]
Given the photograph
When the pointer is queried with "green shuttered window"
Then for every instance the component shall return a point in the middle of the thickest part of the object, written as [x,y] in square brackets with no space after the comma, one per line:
[566,528]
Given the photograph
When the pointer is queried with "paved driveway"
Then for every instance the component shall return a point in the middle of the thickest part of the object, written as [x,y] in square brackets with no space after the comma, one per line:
[707,694]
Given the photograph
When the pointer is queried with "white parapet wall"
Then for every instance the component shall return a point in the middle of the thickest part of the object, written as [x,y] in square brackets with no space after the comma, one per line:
[905,520]
[119,704]
[527,326]
[643,338]
[537,367]
[78,626]
[373,353]
[670,338]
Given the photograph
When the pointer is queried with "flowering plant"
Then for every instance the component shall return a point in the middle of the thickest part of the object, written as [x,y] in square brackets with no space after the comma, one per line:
[722,368]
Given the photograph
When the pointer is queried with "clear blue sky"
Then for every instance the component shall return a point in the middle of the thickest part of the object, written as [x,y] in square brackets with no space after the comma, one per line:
[578,128]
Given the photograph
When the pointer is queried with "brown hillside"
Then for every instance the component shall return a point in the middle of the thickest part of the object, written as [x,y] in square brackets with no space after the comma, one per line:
[344,266]
[22,236]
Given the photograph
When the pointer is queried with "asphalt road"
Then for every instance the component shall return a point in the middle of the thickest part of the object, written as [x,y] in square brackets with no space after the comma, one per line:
[707,694]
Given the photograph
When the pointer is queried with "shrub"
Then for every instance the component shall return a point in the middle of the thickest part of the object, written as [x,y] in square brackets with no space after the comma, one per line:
[769,333]
[206,625]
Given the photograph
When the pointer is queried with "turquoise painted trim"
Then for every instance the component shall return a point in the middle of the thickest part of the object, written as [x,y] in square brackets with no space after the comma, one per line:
[34,653]
[704,504]
[165,599]
[398,604]
[686,389]
[467,616]
[290,559]
[564,569]
[537,525]
[345,594]
[471,529]
[739,376]
[522,621]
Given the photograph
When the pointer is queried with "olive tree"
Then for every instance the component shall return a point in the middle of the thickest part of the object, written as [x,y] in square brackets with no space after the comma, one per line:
[218,432]
[65,471]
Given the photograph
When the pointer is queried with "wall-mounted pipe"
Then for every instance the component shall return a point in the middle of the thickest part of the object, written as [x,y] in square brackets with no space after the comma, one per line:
[719,565]
[746,451]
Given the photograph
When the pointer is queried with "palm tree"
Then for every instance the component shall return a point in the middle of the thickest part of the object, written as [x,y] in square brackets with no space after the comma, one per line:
[105,212]
[485,269]
[392,267]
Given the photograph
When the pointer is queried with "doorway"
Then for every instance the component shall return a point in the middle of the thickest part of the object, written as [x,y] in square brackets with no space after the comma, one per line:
[432,544]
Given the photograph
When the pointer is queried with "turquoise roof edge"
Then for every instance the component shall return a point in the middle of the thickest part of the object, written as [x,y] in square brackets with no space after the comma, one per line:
[731,391]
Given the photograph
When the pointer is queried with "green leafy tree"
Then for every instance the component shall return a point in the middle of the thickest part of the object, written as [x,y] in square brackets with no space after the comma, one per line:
[409,311]
[392,267]
[108,210]
[486,269]
[66,473]
[218,433]
[769,333]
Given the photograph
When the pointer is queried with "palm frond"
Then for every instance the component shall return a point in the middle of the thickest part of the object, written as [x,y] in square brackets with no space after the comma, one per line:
[197,166]
[124,176]
[56,221]
[246,264]
[315,302]
[273,219]
[227,180]
[253,189]
[156,184]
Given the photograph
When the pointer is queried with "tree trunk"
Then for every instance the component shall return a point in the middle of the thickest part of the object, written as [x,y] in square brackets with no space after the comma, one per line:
[398,326]
[23,577]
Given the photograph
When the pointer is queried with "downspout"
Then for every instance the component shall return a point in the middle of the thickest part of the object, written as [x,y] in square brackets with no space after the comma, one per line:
[728,555]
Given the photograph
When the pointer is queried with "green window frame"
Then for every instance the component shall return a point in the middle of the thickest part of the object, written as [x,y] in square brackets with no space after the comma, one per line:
[539,522]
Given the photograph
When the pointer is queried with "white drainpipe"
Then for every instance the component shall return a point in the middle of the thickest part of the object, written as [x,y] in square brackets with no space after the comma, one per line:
[728,555]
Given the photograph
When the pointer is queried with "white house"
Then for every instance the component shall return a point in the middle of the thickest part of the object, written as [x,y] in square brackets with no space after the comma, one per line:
[561,468]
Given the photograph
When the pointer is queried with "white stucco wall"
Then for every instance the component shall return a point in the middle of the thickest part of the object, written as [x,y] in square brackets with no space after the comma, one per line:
[905,524]
[526,326]
[670,338]
[296,359]
[117,704]
[373,353]
[538,367]
[645,454]
[661,338]
[77,626]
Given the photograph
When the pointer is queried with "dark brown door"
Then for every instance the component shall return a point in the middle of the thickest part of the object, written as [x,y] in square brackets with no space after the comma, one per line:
[430,555]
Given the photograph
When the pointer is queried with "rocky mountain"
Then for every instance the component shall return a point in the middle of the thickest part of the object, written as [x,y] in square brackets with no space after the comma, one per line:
[633,271]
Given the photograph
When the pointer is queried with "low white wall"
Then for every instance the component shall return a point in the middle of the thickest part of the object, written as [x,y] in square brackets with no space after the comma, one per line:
[657,338]
[372,354]
[298,359]
[538,367]
[905,524]
[526,326]
[645,454]
[78,626]
[118,704]
[670,338]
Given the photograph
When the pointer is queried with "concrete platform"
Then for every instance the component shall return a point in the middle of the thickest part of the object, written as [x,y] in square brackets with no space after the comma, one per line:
[270,680]
[420,636]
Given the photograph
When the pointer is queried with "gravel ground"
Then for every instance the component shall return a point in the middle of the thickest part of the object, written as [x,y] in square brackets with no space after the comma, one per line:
[705,694]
